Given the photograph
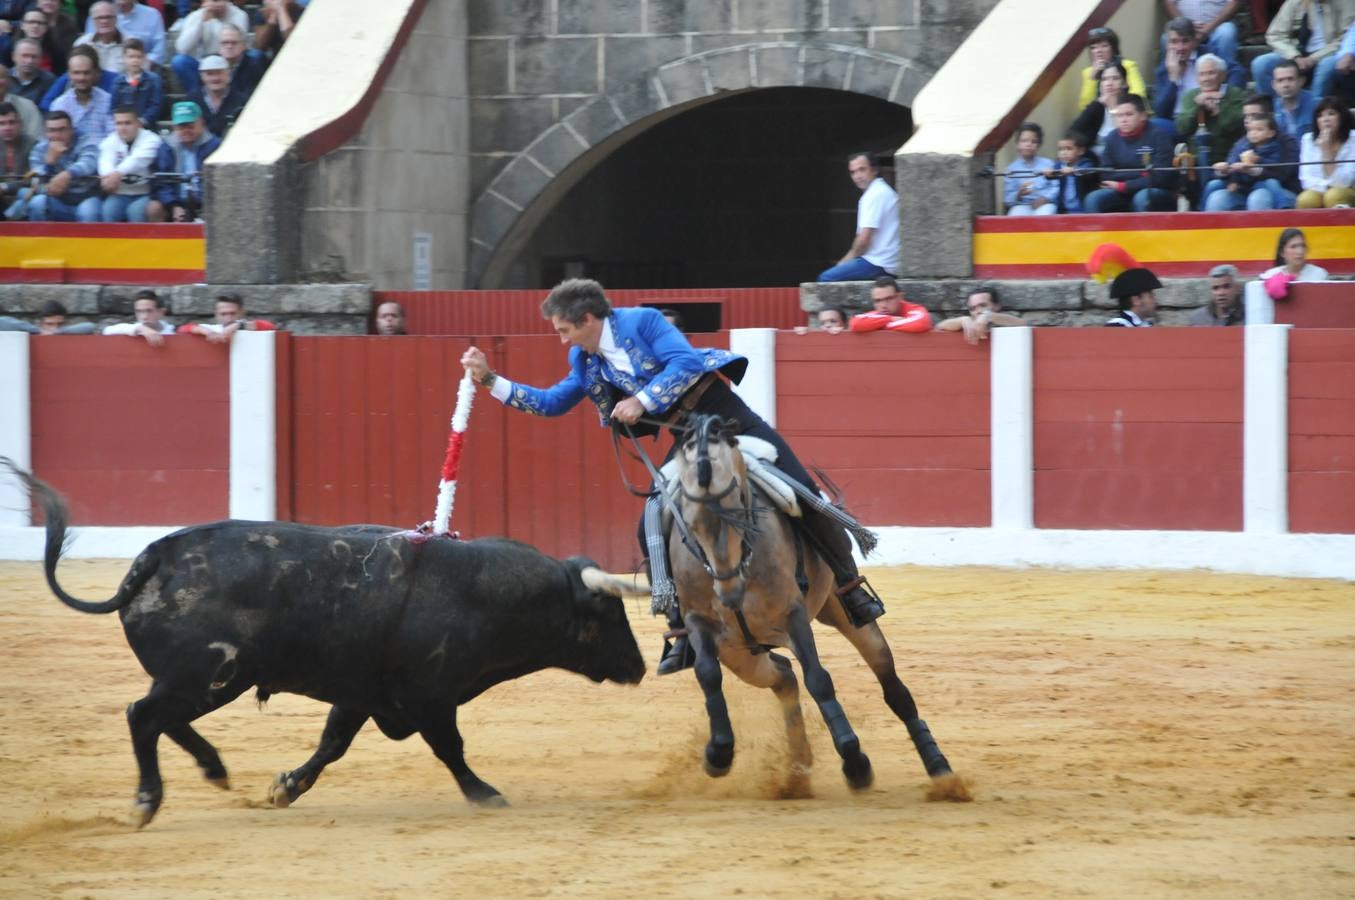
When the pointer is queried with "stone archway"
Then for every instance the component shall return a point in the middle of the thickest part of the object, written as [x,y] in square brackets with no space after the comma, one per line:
[515,202]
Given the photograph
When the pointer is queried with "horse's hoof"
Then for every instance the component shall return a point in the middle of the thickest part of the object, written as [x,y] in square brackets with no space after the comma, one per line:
[858,772]
[278,794]
[949,788]
[718,760]
[141,814]
[490,801]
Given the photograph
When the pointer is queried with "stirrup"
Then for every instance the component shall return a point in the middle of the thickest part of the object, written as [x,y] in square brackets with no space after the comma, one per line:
[677,654]
[860,601]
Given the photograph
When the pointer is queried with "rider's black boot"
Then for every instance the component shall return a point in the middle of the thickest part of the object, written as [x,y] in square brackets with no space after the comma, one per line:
[678,654]
[859,599]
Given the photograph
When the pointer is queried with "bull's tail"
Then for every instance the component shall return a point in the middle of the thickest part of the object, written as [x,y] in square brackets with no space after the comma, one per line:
[55,514]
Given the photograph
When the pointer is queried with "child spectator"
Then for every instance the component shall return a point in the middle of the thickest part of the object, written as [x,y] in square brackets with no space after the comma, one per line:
[1327,182]
[1075,174]
[137,88]
[1135,146]
[1103,48]
[1027,191]
[1242,182]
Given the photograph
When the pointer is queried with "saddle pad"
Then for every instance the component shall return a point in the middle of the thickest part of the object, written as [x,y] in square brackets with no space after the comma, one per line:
[757,456]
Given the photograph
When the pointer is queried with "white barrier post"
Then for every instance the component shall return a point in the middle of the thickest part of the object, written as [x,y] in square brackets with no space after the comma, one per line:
[1265,427]
[1012,399]
[254,445]
[758,388]
[15,425]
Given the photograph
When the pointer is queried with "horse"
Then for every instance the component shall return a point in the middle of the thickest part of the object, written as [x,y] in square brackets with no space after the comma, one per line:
[750,582]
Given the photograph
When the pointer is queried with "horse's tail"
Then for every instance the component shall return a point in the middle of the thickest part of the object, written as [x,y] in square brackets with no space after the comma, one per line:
[55,514]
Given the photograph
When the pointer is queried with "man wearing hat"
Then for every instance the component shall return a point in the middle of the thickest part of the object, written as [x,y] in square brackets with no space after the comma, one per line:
[1134,289]
[219,104]
[183,153]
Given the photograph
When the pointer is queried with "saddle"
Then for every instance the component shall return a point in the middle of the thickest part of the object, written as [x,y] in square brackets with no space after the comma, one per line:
[758,457]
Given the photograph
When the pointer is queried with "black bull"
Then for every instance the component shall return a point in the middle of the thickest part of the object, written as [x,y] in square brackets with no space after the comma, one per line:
[359,617]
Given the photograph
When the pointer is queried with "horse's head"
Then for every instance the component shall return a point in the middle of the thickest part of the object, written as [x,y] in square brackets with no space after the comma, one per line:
[711,465]
[717,500]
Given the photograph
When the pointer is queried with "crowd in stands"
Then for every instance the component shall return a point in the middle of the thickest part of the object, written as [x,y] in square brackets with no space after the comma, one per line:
[148,321]
[1202,137]
[112,122]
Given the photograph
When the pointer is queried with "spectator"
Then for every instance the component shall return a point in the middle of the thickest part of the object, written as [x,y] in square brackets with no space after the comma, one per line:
[105,39]
[68,161]
[51,320]
[137,20]
[62,31]
[1215,32]
[1075,175]
[892,312]
[89,106]
[1136,141]
[15,148]
[182,153]
[1133,288]
[219,104]
[1326,181]
[1225,300]
[875,250]
[829,320]
[30,120]
[1176,74]
[230,318]
[126,159]
[200,38]
[1308,32]
[30,80]
[1291,260]
[246,69]
[34,26]
[1343,75]
[1294,106]
[1103,48]
[1095,120]
[985,313]
[1027,191]
[390,318]
[1242,182]
[150,319]
[1213,109]
[138,88]
[278,19]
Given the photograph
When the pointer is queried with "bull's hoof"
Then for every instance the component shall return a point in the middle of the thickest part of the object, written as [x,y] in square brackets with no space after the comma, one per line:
[858,772]
[144,809]
[223,782]
[718,760]
[283,791]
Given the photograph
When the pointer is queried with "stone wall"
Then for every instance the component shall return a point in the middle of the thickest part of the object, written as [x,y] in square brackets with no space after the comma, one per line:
[406,172]
[300,308]
[1063,302]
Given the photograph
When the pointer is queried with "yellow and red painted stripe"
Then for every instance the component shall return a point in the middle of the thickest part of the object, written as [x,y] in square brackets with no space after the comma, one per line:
[1177,245]
[61,252]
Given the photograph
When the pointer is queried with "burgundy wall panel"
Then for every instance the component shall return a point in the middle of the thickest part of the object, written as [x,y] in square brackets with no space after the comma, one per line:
[1322,430]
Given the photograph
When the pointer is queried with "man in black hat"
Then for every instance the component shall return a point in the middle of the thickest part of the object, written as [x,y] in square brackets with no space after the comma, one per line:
[1134,289]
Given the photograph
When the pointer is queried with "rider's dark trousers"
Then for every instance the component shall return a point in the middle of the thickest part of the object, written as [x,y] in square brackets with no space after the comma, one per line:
[720,400]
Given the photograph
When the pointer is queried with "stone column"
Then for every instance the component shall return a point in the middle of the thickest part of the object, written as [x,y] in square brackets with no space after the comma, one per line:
[253,222]
[938,198]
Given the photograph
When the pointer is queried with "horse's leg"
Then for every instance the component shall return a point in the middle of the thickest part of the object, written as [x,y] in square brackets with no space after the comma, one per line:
[341,727]
[870,642]
[720,747]
[855,764]
[768,670]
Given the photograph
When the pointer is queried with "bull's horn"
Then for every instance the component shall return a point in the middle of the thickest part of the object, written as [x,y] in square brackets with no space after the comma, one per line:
[633,585]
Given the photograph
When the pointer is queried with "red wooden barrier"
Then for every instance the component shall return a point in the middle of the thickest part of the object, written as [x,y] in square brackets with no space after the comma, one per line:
[1138,429]
[519,312]
[132,434]
[899,421]
[1322,430]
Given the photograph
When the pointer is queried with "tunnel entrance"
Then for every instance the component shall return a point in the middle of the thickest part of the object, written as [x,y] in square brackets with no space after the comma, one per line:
[740,192]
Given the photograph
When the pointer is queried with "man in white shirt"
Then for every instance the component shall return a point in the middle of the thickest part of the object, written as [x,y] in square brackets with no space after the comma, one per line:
[150,319]
[201,37]
[875,250]
[129,151]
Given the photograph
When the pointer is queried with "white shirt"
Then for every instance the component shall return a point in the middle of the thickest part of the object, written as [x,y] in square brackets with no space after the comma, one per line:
[115,155]
[1313,177]
[130,328]
[201,37]
[607,349]
[879,209]
[1309,272]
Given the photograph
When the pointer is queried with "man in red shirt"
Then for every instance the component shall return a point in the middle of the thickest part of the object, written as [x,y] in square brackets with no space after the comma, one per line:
[230,318]
[892,312]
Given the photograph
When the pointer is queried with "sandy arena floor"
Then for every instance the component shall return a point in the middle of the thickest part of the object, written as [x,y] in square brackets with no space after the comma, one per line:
[1145,735]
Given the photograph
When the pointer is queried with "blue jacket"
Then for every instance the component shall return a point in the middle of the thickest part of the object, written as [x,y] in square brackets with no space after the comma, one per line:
[1301,122]
[148,97]
[665,365]
[1281,149]
[1126,156]
[1166,95]
[167,160]
[81,160]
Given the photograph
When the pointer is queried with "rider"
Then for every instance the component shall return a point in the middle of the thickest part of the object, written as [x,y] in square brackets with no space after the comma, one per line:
[632,363]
